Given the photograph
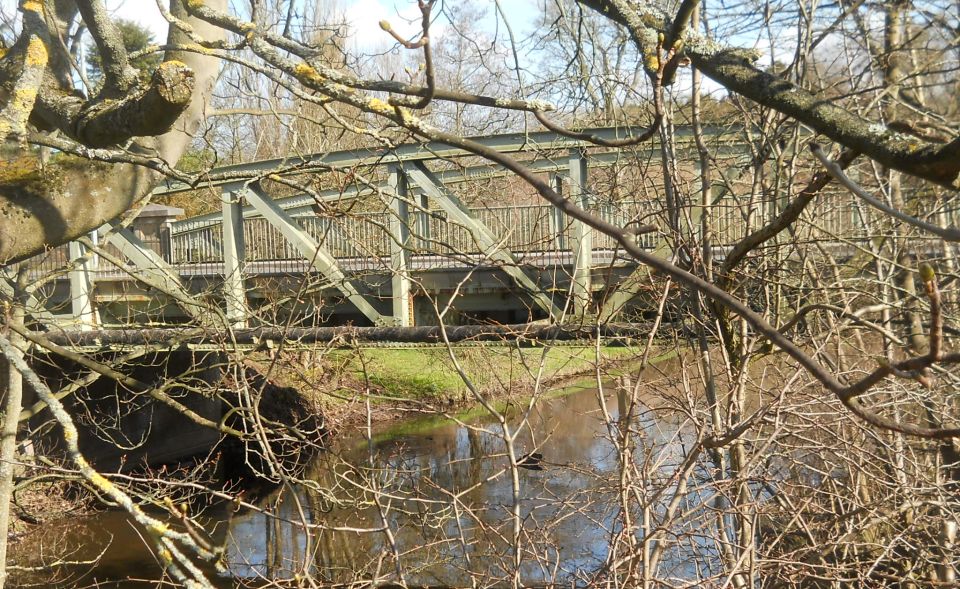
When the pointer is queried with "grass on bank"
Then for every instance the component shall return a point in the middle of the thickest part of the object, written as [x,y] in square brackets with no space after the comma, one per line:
[428,373]
[575,368]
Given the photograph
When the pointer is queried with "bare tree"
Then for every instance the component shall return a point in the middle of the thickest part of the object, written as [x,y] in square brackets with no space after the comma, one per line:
[806,437]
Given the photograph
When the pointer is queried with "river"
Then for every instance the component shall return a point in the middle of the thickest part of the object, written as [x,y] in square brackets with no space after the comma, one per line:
[442,513]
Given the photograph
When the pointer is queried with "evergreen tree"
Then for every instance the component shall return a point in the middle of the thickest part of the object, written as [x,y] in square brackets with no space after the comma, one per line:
[135,38]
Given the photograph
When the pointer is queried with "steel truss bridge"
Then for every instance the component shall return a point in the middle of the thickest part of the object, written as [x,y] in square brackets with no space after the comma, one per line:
[390,225]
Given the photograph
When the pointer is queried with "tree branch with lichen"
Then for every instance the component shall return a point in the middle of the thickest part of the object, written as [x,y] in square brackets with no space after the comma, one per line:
[48,204]
[22,73]
[168,542]
[734,69]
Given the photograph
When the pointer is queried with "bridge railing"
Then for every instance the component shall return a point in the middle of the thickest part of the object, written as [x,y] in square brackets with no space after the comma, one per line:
[364,238]
[55,260]
[524,229]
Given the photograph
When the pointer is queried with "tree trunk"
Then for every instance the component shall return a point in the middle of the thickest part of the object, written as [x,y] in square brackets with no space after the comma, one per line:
[47,207]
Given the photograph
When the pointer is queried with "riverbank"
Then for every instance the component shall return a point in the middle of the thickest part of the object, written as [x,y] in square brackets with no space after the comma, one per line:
[400,383]
[401,388]
[392,378]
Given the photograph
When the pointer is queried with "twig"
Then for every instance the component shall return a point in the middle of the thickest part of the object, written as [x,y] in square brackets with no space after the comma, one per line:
[165,539]
[947,234]
[424,42]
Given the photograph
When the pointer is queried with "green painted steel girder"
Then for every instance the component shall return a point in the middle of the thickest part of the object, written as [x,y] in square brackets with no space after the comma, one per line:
[234,177]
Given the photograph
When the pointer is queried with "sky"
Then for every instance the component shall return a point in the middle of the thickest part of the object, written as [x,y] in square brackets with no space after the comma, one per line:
[363,16]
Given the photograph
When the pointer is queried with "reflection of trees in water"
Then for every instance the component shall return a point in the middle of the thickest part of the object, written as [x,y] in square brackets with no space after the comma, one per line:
[447,497]
[447,494]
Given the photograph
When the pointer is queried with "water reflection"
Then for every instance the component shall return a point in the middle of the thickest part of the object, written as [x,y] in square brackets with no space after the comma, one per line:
[446,495]
[437,505]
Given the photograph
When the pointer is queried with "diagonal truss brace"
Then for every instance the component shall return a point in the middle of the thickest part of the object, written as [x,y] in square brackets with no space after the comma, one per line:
[632,285]
[150,268]
[482,235]
[154,270]
[321,259]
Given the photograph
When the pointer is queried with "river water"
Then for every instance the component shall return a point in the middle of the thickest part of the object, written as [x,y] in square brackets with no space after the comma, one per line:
[432,499]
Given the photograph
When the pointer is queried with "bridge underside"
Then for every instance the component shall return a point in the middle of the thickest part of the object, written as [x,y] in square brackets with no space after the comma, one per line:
[289,292]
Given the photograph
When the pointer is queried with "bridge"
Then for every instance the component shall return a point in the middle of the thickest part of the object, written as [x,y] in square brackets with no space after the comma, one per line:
[306,248]
[387,237]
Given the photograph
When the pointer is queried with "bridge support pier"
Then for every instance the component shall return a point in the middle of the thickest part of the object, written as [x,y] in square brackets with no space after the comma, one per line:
[557,216]
[234,290]
[582,237]
[400,248]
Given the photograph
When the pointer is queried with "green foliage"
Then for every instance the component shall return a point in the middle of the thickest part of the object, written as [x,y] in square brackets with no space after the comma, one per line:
[196,160]
[135,37]
[428,372]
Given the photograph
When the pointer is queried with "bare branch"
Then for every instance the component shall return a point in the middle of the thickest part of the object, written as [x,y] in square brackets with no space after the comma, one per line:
[625,142]
[681,21]
[165,539]
[734,69]
[424,42]
[948,234]
[786,217]
[119,76]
